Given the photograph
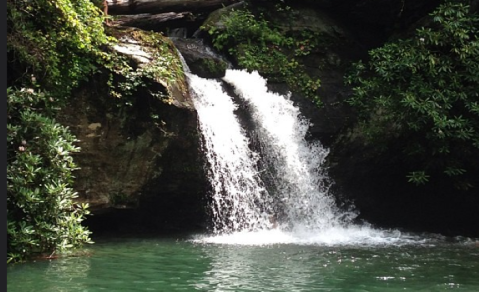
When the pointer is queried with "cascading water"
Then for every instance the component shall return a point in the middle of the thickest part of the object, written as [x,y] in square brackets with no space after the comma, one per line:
[278,193]
[240,200]
[293,166]
[298,196]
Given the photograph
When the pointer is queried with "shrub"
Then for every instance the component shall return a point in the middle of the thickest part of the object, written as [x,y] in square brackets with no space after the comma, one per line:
[41,216]
[422,93]
[52,46]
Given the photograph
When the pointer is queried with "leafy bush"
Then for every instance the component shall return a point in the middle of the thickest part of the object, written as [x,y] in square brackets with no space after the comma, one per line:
[422,93]
[41,217]
[52,46]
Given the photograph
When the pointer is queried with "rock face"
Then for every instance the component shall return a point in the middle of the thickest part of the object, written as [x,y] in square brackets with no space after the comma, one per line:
[329,62]
[129,161]
[142,159]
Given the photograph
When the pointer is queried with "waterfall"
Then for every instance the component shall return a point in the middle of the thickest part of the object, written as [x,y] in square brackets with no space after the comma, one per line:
[240,201]
[280,184]
[293,167]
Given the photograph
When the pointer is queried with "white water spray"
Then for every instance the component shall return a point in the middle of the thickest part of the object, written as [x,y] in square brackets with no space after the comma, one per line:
[294,166]
[278,193]
[240,201]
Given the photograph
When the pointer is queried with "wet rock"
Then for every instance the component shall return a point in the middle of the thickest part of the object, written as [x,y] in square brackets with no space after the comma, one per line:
[200,58]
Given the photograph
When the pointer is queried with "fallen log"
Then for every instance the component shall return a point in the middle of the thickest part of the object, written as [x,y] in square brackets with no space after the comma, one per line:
[117,7]
[146,19]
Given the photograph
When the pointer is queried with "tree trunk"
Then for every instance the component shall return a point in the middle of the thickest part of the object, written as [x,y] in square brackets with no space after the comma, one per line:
[116,7]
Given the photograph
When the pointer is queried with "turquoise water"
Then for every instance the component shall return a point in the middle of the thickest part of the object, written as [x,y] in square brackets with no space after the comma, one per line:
[181,264]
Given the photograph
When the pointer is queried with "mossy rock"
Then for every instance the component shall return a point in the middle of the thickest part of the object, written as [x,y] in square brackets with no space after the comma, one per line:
[154,57]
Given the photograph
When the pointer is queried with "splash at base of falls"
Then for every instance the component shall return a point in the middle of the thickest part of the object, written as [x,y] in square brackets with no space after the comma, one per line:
[352,235]
[277,192]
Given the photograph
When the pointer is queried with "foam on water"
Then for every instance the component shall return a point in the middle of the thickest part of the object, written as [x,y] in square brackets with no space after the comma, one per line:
[353,235]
